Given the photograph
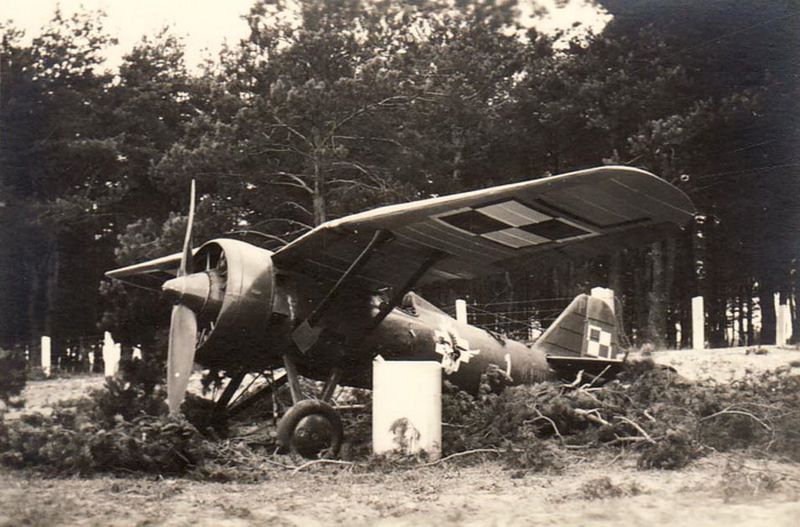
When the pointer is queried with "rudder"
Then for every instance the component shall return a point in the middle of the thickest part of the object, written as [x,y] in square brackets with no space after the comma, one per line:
[586,328]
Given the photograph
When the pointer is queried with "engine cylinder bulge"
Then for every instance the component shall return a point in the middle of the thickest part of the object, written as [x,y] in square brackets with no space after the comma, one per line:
[234,318]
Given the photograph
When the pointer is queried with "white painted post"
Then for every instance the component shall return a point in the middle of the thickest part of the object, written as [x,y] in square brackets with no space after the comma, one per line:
[116,358]
[787,320]
[461,311]
[534,329]
[783,323]
[698,323]
[407,407]
[136,353]
[111,355]
[46,348]
[776,301]
[606,295]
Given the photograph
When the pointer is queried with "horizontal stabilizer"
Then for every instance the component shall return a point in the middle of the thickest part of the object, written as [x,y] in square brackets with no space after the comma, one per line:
[569,367]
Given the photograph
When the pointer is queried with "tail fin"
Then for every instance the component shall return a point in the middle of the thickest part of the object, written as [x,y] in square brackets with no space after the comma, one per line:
[587,328]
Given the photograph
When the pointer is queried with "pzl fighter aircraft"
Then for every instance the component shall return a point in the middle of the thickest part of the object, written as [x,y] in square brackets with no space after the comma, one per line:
[325,305]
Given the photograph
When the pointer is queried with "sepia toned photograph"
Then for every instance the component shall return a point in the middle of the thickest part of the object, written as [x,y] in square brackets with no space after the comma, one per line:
[384,262]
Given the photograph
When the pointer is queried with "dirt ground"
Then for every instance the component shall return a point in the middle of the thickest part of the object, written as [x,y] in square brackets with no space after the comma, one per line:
[596,490]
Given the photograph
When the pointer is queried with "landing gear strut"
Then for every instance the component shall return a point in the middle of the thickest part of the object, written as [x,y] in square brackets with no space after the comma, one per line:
[235,400]
[311,427]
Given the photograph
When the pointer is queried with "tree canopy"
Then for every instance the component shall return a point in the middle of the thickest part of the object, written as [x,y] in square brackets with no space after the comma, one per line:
[350,104]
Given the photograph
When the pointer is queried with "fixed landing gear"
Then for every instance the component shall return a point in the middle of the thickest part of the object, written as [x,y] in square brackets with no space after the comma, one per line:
[241,393]
[311,427]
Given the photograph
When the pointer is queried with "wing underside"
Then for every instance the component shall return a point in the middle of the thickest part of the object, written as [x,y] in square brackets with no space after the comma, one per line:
[483,232]
[150,274]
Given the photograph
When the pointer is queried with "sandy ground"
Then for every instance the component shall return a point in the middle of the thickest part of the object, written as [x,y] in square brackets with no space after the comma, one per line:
[709,492]
[726,364]
[717,490]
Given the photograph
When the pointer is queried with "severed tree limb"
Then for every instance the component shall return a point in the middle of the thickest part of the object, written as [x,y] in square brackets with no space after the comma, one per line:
[591,415]
[465,453]
[729,411]
[304,226]
[576,382]
[596,377]
[637,427]
[319,461]
[543,417]
[626,439]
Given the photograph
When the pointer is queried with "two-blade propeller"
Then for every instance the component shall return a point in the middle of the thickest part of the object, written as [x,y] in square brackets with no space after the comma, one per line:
[183,325]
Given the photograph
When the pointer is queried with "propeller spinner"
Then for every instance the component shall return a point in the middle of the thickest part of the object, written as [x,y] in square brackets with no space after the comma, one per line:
[185,291]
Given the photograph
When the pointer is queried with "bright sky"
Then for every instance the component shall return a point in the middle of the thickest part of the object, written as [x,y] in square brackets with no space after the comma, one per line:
[206,24]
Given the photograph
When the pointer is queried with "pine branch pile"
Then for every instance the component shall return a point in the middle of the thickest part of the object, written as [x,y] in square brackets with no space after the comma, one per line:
[652,410]
[123,427]
[12,377]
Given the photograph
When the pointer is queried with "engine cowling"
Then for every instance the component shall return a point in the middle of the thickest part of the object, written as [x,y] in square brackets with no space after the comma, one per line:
[237,281]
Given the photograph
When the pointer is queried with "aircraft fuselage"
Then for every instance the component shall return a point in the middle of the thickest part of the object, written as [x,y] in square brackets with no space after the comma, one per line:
[252,321]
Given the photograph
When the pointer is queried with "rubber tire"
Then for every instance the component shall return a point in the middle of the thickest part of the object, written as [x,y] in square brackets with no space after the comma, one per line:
[295,414]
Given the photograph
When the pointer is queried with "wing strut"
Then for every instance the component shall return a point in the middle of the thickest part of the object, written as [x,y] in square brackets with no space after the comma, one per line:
[400,292]
[306,334]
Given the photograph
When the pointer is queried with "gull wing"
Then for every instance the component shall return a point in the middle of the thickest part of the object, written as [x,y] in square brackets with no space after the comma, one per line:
[487,231]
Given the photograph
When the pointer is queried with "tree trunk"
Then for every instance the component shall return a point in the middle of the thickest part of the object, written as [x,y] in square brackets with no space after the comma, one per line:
[318,199]
[749,302]
[793,286]
[670,313]
[767,305]
[717,317]
[741,337]
[686,322]
[615,272]
[51,288]
[640,280]
[35,326]
[700,256]
[457,136]
[657,297]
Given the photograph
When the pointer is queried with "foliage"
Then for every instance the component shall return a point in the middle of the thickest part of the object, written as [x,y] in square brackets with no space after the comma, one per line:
[652,410]
[69,443]
[121,427]
[126,400]
[347,105]
[12,377]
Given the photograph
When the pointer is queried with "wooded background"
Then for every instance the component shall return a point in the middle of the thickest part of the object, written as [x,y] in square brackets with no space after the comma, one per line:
[351,104]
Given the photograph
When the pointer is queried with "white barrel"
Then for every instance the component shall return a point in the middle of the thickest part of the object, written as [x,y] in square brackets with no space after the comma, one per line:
[407,407]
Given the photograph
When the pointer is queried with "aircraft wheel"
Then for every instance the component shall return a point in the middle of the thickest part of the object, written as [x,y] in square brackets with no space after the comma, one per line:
[310,427]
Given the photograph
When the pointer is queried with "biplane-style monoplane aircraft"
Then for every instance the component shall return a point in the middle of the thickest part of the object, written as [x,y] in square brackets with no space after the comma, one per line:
[325,305]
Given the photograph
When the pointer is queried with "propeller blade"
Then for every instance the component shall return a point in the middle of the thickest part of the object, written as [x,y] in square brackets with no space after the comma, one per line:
[186,259]
[180,357]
